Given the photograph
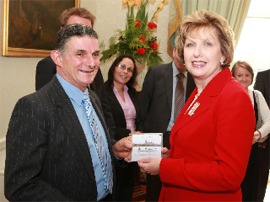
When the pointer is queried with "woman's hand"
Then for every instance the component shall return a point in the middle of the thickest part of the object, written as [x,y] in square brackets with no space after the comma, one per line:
[257,136]
[150,165]
[165,152]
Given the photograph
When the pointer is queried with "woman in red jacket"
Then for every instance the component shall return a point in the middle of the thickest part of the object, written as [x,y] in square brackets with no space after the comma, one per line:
[211,139]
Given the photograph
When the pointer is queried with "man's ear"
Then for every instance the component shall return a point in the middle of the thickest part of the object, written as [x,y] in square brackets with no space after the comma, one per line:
[56,57]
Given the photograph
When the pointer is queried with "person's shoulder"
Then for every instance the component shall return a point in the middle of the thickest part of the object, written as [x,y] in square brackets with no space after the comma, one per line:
[132,91]
[35,99]
[106,87]
[39,103]
[267,70]
[53,87]
[264,72]
[257,92]
[231,87]
[161,68]
[46,60]
[233,93]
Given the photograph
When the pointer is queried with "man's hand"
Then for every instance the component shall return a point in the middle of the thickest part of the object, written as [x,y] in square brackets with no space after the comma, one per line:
[122,148]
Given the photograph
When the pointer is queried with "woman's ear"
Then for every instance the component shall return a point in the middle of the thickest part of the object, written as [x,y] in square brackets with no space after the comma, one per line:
[222,60]
[56,57]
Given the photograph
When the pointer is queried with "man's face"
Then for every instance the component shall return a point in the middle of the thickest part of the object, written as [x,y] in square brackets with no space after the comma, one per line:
[79,62]
[177,63]
[79,20]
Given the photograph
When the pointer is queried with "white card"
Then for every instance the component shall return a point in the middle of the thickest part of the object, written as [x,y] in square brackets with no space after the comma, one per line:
[146,145]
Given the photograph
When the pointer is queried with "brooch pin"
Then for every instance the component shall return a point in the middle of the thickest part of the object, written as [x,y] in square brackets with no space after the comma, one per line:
[193,109]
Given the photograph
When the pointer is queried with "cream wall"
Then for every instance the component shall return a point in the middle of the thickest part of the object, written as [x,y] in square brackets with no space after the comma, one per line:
[17,75]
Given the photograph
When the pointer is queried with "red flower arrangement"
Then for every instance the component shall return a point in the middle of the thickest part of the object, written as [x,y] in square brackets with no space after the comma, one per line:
[152,25]
[138,38]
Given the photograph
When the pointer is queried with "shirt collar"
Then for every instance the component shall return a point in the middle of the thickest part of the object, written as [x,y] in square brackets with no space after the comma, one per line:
[72,91]
[125,89]
[176,71]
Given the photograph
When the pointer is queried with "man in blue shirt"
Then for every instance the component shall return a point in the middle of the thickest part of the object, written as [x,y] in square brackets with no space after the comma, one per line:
[52,150]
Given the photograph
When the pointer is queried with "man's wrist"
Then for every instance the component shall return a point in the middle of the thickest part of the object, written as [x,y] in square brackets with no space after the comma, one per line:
[117,158]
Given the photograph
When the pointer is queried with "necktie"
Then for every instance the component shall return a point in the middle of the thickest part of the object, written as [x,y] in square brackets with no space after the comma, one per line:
[179,99]
[99,141]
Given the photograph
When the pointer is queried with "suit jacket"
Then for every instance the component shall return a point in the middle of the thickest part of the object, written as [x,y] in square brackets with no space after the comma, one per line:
[46,69]
[262,84]
[156,97]
[114,114]
[210,148]
[47,153]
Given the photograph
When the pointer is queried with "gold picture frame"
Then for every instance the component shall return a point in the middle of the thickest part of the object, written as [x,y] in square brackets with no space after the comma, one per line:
[29,26]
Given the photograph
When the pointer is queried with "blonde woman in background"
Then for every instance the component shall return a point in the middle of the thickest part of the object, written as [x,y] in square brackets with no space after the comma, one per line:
[255,181]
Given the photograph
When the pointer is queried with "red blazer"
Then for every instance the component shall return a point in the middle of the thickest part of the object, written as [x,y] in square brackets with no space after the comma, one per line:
[210,149]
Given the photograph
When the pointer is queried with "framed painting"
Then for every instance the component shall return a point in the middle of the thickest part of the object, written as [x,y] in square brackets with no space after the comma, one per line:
[30,26]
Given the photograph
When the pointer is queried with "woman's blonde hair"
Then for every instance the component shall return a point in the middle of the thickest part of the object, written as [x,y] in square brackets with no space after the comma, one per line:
[205,19]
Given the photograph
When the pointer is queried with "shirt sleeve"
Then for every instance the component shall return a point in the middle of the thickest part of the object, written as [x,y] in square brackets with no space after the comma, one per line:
[264,112]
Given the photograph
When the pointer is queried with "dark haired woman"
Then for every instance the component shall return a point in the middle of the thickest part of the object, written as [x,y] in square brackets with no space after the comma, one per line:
[120,106]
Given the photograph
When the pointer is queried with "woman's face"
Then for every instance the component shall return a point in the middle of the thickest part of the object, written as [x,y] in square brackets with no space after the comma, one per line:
[123,71]
[243,76]
[202,54]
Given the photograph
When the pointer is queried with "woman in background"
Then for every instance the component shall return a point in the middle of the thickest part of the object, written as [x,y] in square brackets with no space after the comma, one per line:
[121,109]
[211,138]
[255,181]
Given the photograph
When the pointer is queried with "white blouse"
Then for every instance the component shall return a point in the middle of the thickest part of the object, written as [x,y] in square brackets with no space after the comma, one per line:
[263,111]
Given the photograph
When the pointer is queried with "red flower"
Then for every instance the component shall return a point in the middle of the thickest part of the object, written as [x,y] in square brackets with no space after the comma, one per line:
[142,38]
[152,25]
[141,51]
[137,23]
[154,45]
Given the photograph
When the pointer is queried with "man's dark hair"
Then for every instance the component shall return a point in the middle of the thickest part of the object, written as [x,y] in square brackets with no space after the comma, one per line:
[65,33]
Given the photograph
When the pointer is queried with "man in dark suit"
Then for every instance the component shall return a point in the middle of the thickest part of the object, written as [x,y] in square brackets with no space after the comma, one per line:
[157,104]
[46,68]
[262,84]
[51,150]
